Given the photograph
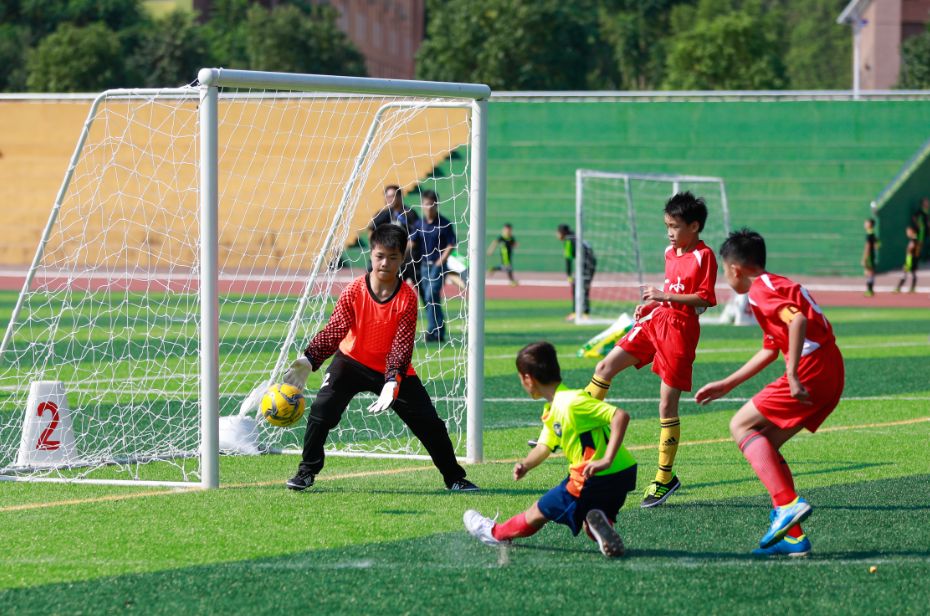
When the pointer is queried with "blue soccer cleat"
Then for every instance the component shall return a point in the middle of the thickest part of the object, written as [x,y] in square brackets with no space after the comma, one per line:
[789,546]
[783,519]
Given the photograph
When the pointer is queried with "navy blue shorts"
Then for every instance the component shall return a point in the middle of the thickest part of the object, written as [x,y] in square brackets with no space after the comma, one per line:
[604,492]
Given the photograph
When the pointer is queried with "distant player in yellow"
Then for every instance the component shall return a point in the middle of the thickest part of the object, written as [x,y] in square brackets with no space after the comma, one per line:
[911,254]
[506,242]
[601,471]
[869,253]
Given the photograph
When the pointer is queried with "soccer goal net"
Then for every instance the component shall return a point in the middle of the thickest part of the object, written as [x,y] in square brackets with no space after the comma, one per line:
[620,216]
[196,245]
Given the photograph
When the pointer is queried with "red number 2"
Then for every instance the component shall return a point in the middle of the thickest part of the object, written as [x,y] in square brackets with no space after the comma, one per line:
[45,442]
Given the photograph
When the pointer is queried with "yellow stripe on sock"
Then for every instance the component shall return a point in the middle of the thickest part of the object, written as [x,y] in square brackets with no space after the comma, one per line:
[669,437]
[597,388]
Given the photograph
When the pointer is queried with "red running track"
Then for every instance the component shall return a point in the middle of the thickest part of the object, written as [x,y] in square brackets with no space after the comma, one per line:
[837,291]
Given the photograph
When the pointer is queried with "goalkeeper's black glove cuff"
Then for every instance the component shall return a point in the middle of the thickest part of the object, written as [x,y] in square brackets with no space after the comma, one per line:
[309,357]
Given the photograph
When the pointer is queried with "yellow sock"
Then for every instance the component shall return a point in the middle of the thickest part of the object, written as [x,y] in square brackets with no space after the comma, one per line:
[669,436]
[598,387]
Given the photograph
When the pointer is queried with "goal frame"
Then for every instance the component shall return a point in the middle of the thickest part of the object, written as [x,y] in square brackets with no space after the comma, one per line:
[676,181]
[206,91]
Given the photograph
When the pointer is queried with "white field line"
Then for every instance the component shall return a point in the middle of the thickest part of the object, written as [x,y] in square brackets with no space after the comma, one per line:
[732,399]
[194,377]
[747,349]
[397,471]
[197,488]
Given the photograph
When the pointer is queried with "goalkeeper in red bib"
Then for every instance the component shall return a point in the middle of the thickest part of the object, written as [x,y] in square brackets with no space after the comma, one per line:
[370,336]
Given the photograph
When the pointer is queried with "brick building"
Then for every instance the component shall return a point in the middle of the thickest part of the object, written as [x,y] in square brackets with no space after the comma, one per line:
[879,28]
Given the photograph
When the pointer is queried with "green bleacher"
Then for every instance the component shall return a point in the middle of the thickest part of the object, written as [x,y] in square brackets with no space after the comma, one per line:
[801,172]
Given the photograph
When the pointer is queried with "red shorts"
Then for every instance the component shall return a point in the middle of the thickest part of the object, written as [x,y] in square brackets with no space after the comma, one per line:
[823,374]
[668,341]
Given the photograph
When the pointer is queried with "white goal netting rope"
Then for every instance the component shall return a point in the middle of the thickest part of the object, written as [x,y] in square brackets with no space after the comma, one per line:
[113,310]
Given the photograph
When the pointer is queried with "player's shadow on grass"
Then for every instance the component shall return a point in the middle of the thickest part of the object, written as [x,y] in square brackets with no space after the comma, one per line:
[824,471]
[537,547]
[332,489]
[869,555]
[695,555]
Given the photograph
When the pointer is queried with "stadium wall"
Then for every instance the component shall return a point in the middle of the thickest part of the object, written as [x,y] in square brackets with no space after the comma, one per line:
[800,168]
[895,206]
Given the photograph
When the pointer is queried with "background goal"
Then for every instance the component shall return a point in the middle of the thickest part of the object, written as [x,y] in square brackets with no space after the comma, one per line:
[620,215]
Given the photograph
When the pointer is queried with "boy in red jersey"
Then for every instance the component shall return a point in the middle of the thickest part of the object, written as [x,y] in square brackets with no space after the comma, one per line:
[371,333]
[802,398]
[666,331]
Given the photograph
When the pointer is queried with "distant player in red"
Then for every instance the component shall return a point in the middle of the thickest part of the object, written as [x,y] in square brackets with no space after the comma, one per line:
[371,333]
[666,331]
[803,397]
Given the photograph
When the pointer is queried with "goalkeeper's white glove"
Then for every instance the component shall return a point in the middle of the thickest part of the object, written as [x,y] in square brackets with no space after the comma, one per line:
[298,373]
[387,397]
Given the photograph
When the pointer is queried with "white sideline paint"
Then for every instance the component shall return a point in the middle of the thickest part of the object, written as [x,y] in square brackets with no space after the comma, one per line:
[722,400]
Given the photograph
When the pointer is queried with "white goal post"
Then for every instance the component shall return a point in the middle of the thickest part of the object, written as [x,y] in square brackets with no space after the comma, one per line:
[196,243]
[619,216]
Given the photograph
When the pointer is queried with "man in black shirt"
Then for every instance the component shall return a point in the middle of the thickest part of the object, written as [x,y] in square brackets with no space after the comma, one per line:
[395,212]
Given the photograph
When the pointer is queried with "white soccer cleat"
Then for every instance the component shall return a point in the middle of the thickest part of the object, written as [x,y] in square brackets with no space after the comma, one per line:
[480,528]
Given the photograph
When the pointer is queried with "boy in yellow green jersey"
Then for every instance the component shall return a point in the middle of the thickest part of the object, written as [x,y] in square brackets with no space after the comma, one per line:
[601,471]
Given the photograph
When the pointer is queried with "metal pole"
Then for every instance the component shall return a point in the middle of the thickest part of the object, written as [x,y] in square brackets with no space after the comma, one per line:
[857,37]
[476,229]
[209,293]
[632,215]
[579,248]
[726,210]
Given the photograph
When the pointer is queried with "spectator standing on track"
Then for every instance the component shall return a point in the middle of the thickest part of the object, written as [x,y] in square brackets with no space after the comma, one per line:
[395,212]
[433,237]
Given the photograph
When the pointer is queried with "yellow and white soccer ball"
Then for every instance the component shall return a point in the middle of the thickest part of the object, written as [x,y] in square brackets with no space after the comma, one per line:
[282,405]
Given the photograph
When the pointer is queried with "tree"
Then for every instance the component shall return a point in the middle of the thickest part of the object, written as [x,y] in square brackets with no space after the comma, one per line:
[74,59]
[819,49]
[169,53]
[915,62]
[14,42]
[510,44]
[225,31]
[724,45]
[43,17]
[636,34]
[289,39]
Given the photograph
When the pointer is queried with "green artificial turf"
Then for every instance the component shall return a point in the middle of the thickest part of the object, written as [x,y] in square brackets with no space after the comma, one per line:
[381,536]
